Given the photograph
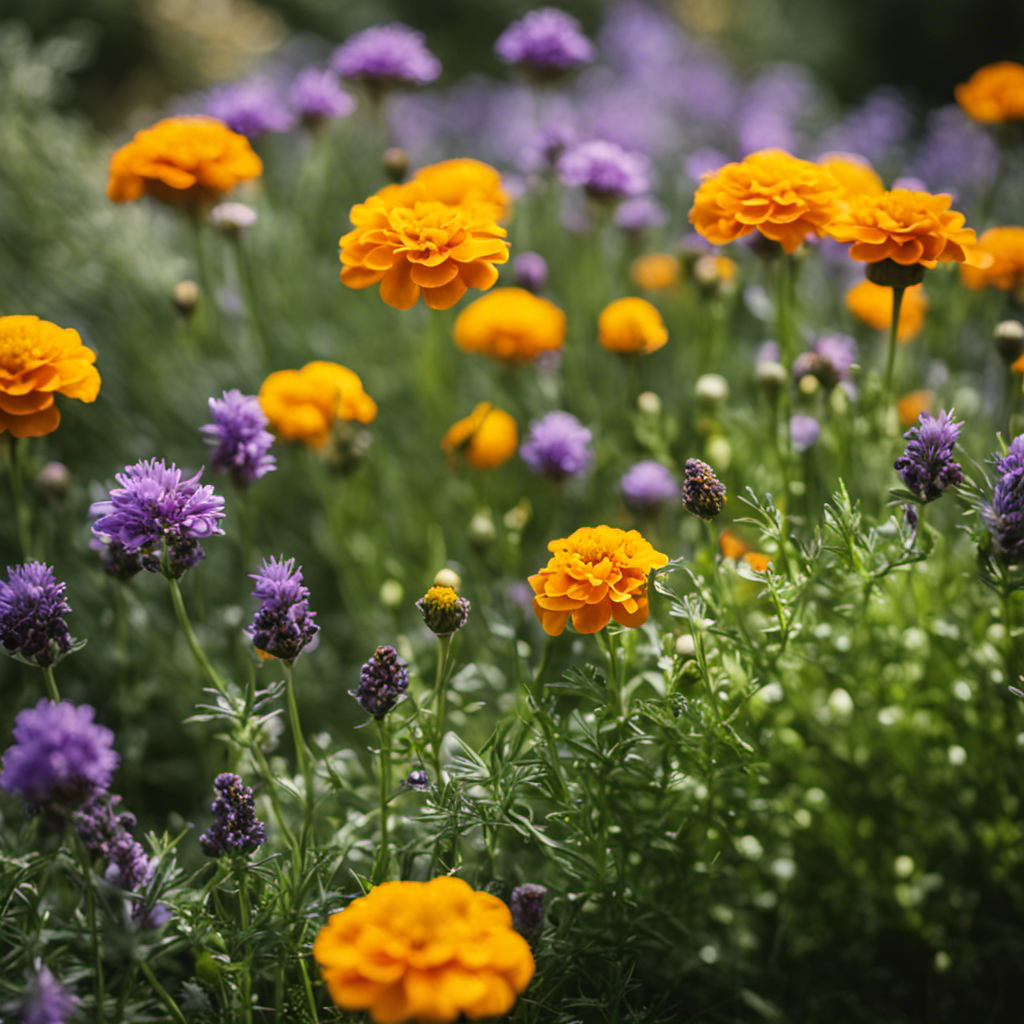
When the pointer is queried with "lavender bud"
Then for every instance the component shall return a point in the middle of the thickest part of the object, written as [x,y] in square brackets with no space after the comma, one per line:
[527,907]
[382,680]
[236,831]
[703,492]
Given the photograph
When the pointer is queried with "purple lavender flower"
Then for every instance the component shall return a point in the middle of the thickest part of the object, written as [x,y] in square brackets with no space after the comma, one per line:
[128,867]
[927,467]
[703,492]
[47,1001]
[648,485]
[872,130]
[605,170]
[318,96]
[240,438]
[804,432]
[252,108]
[641,213]
[956,155]
[97,822]
[385,56]
[382,680]
[60,756]
[236,831]
[154,508]
[32,610]
[558,446]
[526,905]
[773,107]
[1004,515]
[545,43]
[284,624]
[531,271]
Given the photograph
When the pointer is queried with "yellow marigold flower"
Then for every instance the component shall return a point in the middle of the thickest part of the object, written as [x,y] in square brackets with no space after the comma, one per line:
[631,326]
[903,226]
[596,574]
[911,405]
[853,172]
[993,93]
[655,271]
[487,437]
[38,360]
[302,405]
[872,303]
[461,181]
[784,198]
[427,952]
[182,160]
[1005,246]
[510,324]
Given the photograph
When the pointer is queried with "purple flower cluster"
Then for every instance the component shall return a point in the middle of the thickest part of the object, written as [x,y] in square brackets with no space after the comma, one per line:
[283,625]
[382,680]
[236,831]
[60,758]
[804,432]
[252,108]
[640,213]
[830,359]
[605,170]
[154,507]
[1004,515]
[318,96]
[703,492]
[648,485]
[47,1001]
[107,834]
[386,55]
[545,43]
[240,438]
[32,610]
[927,467]
[558,446]
[531,271]
[526,904]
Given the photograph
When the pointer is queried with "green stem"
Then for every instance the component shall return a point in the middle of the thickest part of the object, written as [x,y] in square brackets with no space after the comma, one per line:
[890,357]
[241,884]
[275,803]
[384,856]
[90,912]
[21,511]
[301,756]
[610,642]
[209,301]
[444,644]
[161,993]
[197,652]
[51,684]
[259,339]
[1011,679]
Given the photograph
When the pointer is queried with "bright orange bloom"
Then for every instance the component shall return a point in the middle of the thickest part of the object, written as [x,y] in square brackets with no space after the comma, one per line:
[758,561]
[632,327]
[487,437]
[784,198]
[302,405]
[655,271]
[510,324]
[1006,271]
[993,93]
[911,405]
[38,360]
[905,227]
[464,181]
[853,172]
[186,161]
[872,303]
[733,547]
[596,574]
[424,952]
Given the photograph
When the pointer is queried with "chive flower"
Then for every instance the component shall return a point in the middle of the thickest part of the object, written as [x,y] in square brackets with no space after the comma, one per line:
[283,625]
[648,485]
[558,446]
[240,439]
[545,43]
[385,56]
[32,610]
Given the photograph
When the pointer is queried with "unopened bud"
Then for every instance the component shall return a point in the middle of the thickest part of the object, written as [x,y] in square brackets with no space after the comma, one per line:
[772,377]
[711,389]
[648,403]
[481,529]
[185,297]
[1009,340]
[396,163]
[392,594]
[232,218]
[448,578]
[53,481]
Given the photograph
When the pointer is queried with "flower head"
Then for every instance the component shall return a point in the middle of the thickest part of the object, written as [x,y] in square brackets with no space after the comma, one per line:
[182,160]
[531,271]
[32,610]
[783,198]
[527,906]
[424,951]
[240,439]
[461,181]
[318,96]
[1004,515]
[648,485]
[284,625]
[872,303]
[804,432]
[594,575]
[510,324]
[252,108]
[546,43]
[638,214]
[443,611]
[386,56]
[382,680]
[853,172]
[303,405]
[486,438]
[154,507]
[654,271]
[558,446]
[47,1001]
[1005,246]
[60,757]
[993,93]
[232,219]
[107,834]
[236,831]
[631,326]
[38,360]
[830,359]
[927,467]
[605,170]
[703,492]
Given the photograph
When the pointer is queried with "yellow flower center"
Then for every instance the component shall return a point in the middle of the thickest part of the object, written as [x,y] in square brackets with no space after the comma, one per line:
[441,597]
[20,348]
[428,227]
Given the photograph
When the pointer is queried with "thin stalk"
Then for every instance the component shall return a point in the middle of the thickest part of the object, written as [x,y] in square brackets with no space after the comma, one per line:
[209,304]
[162,994]
[197,652]
[260,348]
[301,756]
[610,642]
[21,511]
[444,644]
[51,684]
[1011,678]
[384,856]
[90,914]
[890,357]
[241,884]
[275,803]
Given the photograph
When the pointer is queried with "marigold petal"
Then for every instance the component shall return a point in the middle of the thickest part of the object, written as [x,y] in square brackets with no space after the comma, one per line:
[558,604]
[360,277]
[553,623]
[86,389]
[446,295]
[380,258]
[478,274]
[433,276]
[592,618]
[390,1006]
[397,288]
[23,405]
[633,619]
[36,424]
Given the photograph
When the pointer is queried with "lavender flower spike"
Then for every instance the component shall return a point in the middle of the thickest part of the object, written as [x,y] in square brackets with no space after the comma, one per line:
[47,1001]
[154,506]
[703,492]
[385,56]
[60,758]
[1004,515]
[545,43]
[240,438]
[927,467]
[32,610]
[284,624]
[558,446]
[605,170]
[382,680]
[236,831]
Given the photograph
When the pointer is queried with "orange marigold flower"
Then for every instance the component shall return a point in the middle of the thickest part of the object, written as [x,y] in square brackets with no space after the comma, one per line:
[302,405]
[461,181]
[1006,270]
[993,93]
[487,437]
[38,360]
[903,226]
[655,271]
[631,326]
[732,545]
[784,198]
[872,303]
[427,952]
[911,405]
[853,172]
[596,574]
[510,324]
[182,160]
